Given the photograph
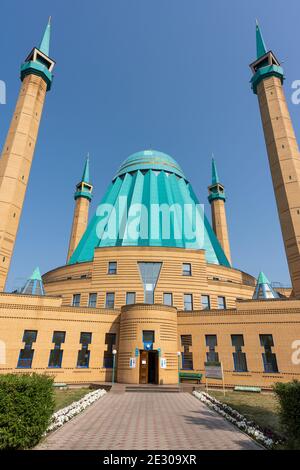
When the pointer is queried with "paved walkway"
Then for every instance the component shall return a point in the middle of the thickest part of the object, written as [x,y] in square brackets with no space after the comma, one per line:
[168,421]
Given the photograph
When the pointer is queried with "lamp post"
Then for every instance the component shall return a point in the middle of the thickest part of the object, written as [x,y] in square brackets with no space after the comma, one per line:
[179,356]
[114,365]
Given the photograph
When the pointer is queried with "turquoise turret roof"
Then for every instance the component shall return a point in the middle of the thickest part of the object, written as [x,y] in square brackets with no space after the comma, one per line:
[260,43]
[34,285]
[146,181]
[215,176]
[86,171]
[45,42]
[264,289]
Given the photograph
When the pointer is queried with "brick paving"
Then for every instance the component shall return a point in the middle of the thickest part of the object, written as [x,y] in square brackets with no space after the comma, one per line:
[168,421]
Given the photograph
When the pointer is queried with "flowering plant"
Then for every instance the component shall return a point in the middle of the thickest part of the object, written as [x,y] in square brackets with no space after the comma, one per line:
[59,418]
[263,436]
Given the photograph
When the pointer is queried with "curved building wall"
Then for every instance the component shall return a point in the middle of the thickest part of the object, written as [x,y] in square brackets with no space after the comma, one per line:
[162,321]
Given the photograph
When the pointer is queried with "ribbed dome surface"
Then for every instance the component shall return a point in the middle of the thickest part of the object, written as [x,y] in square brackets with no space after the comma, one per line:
[148,178]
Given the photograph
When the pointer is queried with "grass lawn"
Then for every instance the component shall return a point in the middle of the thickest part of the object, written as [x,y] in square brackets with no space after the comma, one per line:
[66,397]
[259,407]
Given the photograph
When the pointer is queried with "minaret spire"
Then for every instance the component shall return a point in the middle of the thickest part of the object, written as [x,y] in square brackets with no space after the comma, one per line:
[45,42]
[18,149]
[260,43]
[283,152]
[218,214]
[82,196]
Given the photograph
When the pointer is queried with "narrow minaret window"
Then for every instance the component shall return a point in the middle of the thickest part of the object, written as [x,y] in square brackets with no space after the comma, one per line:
[82,196]
[282,150]
[218,213]
[18,149]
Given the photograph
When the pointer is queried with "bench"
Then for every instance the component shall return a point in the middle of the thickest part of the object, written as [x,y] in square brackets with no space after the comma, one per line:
[190,376]
[240,388]
[60,385]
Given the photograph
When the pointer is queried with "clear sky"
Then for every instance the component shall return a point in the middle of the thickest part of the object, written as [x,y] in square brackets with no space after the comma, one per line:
[130,74]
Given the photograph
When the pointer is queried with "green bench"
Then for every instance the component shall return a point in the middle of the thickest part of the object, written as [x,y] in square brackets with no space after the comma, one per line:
[240,388]
[190,376]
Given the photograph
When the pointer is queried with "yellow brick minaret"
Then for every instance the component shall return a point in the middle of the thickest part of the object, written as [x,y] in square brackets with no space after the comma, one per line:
[18,150]
[82,196]
[283,152]
[218,212]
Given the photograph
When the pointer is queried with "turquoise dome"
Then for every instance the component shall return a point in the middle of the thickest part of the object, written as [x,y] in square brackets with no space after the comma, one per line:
[146,180]
[150,160]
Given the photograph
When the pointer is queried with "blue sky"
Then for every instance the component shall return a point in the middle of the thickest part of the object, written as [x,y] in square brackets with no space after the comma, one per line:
[130,74]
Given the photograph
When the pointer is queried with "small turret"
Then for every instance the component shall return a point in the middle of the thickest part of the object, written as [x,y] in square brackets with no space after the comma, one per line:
[34,285]
[264,289]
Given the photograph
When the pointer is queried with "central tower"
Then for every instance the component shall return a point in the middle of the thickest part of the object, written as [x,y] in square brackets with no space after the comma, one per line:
[282,151]
[18,150]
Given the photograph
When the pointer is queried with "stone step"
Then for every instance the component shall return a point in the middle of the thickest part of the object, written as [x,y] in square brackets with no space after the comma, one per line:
[152,389]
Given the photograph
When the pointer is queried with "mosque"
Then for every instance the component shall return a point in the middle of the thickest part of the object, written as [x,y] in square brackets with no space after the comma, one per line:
[148,293]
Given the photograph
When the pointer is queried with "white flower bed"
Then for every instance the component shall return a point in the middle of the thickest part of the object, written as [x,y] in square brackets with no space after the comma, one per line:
[236,418]
[59,418]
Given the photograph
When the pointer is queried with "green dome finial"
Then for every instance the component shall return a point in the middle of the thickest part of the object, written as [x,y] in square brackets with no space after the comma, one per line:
[45,42]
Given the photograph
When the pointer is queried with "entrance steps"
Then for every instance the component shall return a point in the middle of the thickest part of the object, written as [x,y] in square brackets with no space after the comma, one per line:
[152,388]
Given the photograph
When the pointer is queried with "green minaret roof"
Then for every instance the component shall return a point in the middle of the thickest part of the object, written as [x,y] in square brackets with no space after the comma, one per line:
[45,42]
[36,275]
[214,173]
[264,289]
[262,278]
[260,43]
[86,171]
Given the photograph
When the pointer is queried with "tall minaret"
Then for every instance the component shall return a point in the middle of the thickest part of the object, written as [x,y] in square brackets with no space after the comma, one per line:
[218,213]
[82,196]
[18,150]
[282,151]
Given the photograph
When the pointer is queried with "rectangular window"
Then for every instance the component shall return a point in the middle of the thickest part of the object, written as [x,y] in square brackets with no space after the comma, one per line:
[269,358]
[239,357]
[168,299]
[76,300]
[186,355]
[112,267]
[148,336]
[186,269]
[110,300]
[188,302]
[110,340]
[130,298]
[56,354]
[26,354]
[211,343]
[205,301]
[83,358]
[221,303]
[93,300]
[149,273]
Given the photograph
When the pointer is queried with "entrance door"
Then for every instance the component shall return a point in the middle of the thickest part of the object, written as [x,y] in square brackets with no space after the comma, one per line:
[148,367]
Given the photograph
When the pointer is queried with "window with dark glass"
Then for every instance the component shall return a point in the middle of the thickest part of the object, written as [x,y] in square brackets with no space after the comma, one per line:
[239,357]
[93,300]
[148,336]
[56,354]
[205,301]
[168,299]
[76,300]
[110,340]
[269,358]
[186,355]
[112,267]
[221,303]
[26,354]
[130,298]
[110,300]
[211,344]
[84,353]
[186,269]
[188,302]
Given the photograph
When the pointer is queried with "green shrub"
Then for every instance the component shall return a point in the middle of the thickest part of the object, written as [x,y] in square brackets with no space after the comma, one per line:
[288,395]
[26,405]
